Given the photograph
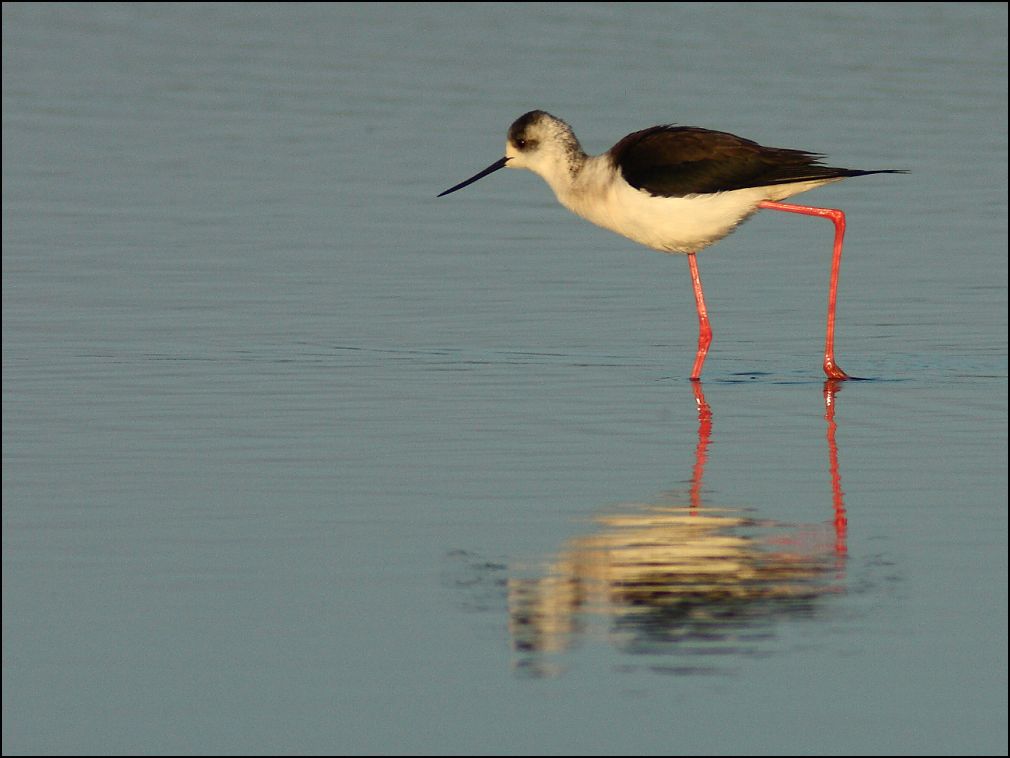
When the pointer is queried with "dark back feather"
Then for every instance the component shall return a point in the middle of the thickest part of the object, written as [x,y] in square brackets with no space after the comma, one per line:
[673,161]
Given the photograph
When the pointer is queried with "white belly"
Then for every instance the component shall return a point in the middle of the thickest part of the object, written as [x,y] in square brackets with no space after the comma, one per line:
[668,224]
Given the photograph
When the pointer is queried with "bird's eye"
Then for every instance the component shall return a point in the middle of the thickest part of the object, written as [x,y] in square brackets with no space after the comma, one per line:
[520,143]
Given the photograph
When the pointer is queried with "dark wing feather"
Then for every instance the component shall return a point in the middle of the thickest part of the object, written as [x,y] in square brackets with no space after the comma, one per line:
[673,161]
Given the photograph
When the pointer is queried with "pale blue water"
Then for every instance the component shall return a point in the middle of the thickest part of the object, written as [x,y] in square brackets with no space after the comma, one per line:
[298,458]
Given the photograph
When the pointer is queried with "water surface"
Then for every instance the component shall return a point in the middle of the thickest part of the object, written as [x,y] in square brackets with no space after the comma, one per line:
[298,458]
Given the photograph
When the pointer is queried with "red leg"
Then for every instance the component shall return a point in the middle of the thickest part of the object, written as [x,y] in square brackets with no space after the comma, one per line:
[704,330]
[832,369]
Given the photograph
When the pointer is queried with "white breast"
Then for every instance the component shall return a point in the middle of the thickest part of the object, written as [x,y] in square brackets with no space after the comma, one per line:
[668,224]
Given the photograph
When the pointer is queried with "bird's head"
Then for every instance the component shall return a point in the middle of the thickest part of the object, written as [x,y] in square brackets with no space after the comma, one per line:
[539,142]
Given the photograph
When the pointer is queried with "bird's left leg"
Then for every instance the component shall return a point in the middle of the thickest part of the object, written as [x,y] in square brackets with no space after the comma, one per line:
[704,329]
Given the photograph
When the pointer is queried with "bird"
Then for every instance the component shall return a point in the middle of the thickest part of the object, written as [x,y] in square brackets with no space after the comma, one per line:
[676,189]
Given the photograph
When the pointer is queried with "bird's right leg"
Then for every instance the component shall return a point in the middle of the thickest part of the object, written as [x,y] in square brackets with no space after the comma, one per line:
[831,367]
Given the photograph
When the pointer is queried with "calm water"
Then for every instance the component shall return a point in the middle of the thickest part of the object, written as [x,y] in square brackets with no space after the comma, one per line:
[297,458]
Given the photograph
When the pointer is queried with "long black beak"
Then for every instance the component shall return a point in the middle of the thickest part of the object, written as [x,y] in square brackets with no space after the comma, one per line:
[500,163]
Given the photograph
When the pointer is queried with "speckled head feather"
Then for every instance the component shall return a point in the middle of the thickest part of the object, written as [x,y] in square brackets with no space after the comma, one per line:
[538,131]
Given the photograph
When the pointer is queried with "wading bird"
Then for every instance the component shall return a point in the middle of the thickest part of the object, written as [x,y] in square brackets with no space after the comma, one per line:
[676,189]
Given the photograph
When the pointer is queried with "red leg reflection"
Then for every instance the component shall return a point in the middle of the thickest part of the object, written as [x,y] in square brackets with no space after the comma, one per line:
[831,388]
[701,451]
[831,368]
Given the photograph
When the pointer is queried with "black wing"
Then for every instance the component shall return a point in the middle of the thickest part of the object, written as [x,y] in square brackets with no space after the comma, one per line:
[673,161]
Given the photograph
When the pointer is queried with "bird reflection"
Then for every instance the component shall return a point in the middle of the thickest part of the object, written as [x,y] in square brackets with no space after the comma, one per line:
[679,576]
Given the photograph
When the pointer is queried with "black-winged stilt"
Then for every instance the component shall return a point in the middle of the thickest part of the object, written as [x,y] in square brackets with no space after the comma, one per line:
[676,189]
